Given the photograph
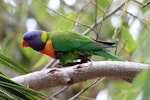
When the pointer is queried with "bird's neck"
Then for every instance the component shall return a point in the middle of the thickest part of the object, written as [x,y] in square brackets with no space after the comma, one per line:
[48,49]
[44,36]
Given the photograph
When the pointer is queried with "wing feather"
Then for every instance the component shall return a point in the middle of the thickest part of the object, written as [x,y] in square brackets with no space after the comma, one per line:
[70,41]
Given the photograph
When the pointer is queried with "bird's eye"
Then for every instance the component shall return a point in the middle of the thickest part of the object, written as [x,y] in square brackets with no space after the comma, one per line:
[32,37]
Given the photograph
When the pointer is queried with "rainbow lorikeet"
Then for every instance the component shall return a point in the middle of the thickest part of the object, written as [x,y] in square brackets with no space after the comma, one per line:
[66,46]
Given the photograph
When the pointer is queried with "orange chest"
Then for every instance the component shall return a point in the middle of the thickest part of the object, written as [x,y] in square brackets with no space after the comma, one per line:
[49,50]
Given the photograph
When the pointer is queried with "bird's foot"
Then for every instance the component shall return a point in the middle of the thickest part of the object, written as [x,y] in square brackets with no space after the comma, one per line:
[68,64]
[58,65]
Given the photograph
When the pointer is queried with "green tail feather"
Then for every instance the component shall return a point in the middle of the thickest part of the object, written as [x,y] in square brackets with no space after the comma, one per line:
[108,55]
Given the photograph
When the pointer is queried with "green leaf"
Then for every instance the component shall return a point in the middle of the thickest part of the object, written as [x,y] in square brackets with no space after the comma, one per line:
[103,3]
[1,73]
[15,90]
[9,63]
[5,96]
[19,91]
[128,40]
[65,24]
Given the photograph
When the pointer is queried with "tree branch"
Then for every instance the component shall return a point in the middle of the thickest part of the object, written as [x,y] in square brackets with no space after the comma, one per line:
[99,21]
[69,75]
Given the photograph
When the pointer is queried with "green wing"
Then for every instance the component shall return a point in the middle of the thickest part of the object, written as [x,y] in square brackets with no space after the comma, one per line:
[69,41]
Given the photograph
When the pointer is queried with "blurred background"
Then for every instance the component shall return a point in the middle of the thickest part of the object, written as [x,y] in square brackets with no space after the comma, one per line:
[129,26]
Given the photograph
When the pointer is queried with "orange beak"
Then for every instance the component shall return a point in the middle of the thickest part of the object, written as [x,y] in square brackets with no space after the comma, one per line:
[25,43]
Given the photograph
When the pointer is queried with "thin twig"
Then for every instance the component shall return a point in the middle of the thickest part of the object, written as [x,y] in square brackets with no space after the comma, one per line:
[95,11]
[138,19]
[84,6]
[51,98]
[51,64]
[117,29]
[96,18]
[116,47]
[86,98]
[98,7]
[138,2]
[92,29]
[100,25]
[75,24]
[101,19]
[60,91]
[88,87]
[146,4]
[142,5]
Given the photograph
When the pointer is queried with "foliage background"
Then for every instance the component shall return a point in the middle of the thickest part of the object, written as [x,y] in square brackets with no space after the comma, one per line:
[130,26]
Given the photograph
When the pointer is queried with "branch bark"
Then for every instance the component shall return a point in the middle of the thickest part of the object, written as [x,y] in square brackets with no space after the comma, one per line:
[69,75]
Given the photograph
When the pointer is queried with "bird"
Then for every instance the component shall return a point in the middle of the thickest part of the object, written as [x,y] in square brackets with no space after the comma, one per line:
[67,46]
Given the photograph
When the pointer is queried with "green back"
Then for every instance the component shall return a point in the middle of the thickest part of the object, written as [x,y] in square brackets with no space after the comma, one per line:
[70,41]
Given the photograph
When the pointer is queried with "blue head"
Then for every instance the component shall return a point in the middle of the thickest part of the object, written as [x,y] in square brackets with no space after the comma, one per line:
[34,40]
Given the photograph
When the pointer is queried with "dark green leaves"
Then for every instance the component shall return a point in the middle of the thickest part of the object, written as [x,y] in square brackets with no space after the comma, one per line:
[65,24]
[127,39]
[10,90]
